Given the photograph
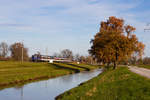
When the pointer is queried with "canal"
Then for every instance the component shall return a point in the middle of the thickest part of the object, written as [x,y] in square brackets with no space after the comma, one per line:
[47,89]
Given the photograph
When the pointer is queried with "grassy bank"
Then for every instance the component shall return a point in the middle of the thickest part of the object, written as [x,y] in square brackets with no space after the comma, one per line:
[17,72]
[144,66]
[119,84]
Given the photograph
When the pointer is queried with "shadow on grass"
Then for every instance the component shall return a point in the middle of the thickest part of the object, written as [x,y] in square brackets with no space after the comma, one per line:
[63,67]
[87,69]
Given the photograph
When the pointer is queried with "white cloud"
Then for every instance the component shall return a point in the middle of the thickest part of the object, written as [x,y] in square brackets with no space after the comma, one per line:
[78,17]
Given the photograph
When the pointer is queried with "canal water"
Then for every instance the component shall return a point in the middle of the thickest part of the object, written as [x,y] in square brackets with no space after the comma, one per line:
[48,89]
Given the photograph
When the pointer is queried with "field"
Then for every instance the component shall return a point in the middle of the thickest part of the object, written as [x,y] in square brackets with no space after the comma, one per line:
[144,66]
[17,72]
[119,84]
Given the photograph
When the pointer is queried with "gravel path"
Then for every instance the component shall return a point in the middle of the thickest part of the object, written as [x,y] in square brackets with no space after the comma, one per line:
[141,71]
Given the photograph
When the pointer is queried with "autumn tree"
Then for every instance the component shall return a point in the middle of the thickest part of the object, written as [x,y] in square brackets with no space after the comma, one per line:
[115,42]
[18,51]
[3,49]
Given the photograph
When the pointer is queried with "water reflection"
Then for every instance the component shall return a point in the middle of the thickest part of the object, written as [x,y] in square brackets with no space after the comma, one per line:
[48,89]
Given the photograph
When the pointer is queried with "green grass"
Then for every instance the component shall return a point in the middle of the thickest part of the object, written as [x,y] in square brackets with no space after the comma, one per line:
[17,72]
[144,66]
[119,84]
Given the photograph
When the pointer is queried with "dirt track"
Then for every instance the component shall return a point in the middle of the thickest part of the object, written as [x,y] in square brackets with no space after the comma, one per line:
[141,71]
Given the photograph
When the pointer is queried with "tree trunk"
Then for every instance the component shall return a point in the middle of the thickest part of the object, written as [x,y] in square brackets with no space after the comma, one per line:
[108,65]
[114,65]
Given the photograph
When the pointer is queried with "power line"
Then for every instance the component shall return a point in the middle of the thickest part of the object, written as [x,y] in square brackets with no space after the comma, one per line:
[148,27]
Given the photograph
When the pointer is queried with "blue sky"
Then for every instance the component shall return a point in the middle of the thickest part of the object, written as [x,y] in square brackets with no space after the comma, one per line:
[61,24]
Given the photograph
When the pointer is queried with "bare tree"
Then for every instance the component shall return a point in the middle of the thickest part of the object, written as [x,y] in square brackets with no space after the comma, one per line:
[56,55]
[89,60]
[18,51]
[146,61]
[66,53]
[77,57]
[3,49]
[82,59]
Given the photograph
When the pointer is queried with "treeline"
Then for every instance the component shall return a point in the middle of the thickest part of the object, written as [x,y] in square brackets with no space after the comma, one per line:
[18,52]
[66,53]
[146,61]
[135,61]
[15,51]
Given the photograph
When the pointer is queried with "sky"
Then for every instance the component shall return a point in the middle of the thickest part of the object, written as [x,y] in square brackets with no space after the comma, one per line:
[54,25]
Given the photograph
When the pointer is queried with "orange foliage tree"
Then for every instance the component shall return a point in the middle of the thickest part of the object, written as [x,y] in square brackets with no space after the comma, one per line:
[115,42]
